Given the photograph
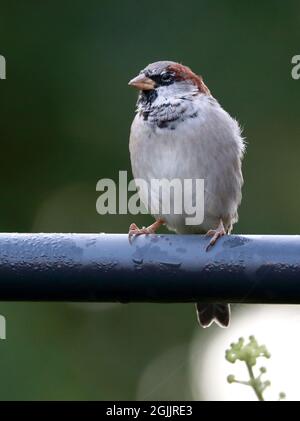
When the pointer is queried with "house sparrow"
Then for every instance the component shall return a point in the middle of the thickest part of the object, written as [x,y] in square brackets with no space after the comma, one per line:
[180,131]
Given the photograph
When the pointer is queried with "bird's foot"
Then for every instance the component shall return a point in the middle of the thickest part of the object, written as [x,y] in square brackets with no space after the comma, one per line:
[134,230]
[215,234]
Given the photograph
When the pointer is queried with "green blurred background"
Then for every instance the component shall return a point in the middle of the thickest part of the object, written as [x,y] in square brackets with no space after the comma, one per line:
[65,113]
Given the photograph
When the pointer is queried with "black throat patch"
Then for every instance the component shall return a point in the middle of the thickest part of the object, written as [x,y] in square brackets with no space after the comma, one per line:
[166,115]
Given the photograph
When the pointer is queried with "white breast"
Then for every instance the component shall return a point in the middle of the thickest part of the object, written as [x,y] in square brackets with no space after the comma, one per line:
[208,146]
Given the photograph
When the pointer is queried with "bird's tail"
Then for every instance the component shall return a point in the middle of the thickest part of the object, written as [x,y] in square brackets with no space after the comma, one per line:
[209,313]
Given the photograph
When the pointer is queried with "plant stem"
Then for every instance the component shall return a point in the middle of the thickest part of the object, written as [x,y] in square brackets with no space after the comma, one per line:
[254,383]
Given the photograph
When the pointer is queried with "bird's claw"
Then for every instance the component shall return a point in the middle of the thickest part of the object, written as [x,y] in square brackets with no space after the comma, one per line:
[134,230]
[215,234]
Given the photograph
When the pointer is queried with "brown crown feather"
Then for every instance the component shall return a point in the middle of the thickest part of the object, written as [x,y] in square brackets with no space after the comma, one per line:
[185,73]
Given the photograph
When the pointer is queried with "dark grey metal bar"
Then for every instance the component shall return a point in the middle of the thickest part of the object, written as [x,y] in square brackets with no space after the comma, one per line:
[156,268]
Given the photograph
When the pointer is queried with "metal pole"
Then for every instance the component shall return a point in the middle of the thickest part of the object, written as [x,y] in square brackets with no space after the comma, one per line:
[156,268]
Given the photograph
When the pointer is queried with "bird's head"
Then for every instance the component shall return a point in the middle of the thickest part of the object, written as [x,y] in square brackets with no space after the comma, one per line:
[167,80]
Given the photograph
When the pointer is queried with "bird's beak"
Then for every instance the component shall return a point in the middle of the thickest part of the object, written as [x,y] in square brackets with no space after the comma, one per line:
[142,82]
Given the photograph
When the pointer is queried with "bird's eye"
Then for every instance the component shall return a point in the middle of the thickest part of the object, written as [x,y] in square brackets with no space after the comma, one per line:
[166,77]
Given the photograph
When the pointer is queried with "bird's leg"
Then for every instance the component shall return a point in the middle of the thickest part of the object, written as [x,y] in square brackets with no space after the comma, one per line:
[215,234]
[135,230]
